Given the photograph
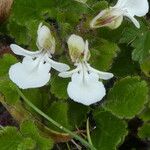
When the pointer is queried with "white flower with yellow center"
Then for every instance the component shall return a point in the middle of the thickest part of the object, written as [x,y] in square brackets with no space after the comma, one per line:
[113,16]
[85,86]
[34,69]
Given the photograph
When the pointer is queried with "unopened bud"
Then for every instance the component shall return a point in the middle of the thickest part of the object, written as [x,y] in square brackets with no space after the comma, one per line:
[110,17]
[45,40]
[78,49]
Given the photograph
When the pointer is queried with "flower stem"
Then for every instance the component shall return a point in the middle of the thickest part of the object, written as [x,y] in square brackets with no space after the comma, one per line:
[84,142]
[88,132]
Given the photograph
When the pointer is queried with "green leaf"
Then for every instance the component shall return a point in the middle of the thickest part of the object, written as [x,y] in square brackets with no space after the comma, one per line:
[29,129]
[32,8]
[145,67]
[77,113]
[145,114]
[59,112]
[36,97]
[139,39]
[127,97]
[141,47]
[10,138]
[124,65]
[102,54]
[110,131]
[59,87]
[5,62]
[19,32]
[144,131]
[8,89]
[27,144]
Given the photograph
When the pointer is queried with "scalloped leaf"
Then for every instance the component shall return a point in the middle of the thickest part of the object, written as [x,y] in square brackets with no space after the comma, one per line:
[8,89]
[59,112]
[29,129]
[10,138]
[102,54]
[144,131]
[110,131]
[5,62]
[139,39]
[59,87]
[127,97]
[123,65]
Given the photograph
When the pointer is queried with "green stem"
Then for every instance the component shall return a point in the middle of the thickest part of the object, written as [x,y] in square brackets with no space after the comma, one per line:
[88,132]
[84,142]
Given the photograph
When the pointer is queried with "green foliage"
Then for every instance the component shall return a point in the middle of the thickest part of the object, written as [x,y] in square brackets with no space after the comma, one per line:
[10,138]
[28,138]
[103,53]
[109,132]
[60,115]
[139,40]
[145,114]
[77,113]
[124,51]
[5,62]
[59,86]
[123,65]
[127,97]
[28,129]
[144,131]
[7,87]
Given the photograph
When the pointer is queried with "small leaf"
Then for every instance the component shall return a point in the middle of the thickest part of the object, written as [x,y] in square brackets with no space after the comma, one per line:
[127,97]
[145,67]
[29,129]
[8,89]
[144,131]
[59,87]
[102,54]
[10,138]
[19,32]
[145,114]
[5,62]
[110,131]
[139,40]
[124,65]
[27,144]
[59,112]
[77,114]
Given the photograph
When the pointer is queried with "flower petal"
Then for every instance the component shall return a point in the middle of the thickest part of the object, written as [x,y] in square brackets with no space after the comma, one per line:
[136,23]
[58,66]
[30,73]
[68,73]
[101,74]
[88,92]
[134,7]
[20,51]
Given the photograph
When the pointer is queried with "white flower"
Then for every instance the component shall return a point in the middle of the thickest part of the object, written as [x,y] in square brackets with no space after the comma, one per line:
[113,16]
[34,69]
[85,86]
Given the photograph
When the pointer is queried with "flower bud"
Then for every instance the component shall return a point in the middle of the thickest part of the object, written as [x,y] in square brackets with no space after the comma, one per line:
[110,17]
[45,40]
[78,49]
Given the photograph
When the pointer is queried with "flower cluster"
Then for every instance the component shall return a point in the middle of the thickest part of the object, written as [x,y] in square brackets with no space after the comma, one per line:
[85,86]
